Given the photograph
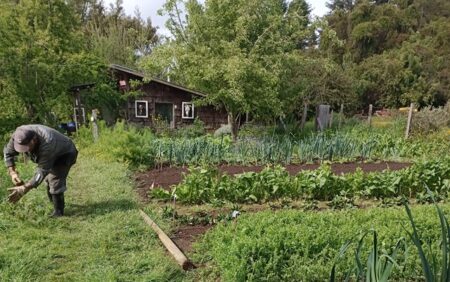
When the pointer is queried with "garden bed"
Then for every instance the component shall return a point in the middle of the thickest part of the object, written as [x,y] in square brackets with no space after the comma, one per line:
[195,220]
[168,176]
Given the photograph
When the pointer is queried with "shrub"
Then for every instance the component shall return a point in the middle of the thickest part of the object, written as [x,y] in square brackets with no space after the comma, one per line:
[225,129]
[128,144]
[430,119]
[194,130]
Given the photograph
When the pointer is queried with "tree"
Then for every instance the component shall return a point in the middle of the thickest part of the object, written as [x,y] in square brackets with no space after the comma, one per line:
[345,5]
[36,37]
[231,50]
[114,36]
[42,54]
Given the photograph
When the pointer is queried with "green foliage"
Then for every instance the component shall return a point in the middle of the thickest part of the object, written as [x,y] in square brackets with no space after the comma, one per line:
[126,144]
[291,245]
[206,185]
[431,119]
[196,129]
[234,55]
[43,53]
[379,265]
[434,268]
[38,37]
[393,50]
[114,36]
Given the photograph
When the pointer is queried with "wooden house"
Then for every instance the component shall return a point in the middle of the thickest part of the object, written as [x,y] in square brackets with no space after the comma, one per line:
[158,99]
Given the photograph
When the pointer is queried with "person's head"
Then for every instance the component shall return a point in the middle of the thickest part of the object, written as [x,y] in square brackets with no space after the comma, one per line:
[25,140]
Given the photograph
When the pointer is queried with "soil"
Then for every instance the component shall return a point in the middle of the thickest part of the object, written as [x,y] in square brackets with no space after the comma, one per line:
[186,235]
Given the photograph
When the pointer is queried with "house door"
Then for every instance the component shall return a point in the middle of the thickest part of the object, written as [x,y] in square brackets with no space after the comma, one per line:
[164,111]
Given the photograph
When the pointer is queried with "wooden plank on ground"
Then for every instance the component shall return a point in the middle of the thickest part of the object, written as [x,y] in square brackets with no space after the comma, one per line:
[181,259]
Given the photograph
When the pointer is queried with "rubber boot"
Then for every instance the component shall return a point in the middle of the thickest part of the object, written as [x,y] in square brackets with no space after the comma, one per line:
[58,205]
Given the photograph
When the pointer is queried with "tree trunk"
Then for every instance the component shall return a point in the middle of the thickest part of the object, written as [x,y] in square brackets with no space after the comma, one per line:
[234,119]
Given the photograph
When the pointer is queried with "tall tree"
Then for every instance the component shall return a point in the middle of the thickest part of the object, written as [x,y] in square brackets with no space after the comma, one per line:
[36,38]
[114,36]
[232,50]
[42,54]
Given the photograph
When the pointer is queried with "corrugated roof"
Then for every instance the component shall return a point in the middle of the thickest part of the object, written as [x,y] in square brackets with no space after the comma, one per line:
[141,75]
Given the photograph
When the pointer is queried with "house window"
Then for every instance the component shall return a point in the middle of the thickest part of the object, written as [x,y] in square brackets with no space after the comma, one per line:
[141,108]
[187,110]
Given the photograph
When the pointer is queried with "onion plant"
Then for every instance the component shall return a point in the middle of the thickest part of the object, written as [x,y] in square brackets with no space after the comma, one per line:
[434,270]
[379,264]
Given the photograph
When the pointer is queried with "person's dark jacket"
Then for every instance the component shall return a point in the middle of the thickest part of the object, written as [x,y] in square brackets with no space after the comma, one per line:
[52,146]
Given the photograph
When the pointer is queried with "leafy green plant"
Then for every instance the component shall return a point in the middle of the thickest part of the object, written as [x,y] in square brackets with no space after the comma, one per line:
[310,205]
[342,202]
[206,185]
[196,129]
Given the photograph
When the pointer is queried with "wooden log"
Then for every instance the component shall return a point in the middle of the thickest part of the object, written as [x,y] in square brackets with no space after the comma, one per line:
[181,259]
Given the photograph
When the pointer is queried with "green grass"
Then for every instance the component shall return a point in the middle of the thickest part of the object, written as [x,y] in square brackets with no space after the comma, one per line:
[292,245]
[102,238]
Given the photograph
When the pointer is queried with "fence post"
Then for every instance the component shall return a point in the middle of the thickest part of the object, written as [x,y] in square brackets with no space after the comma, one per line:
[341,113]
[94,125]
[305,113]
[369,119]
[408,123]
[331,119]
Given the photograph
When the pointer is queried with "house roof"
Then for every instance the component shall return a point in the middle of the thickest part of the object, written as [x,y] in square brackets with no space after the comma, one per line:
[78,87]
[141,75]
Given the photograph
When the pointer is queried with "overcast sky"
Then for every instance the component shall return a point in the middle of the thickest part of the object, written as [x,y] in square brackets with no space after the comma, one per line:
[149,8]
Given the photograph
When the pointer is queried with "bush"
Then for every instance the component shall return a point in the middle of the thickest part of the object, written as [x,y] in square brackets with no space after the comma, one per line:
[223,130]
[430,119]
[128,144]
[194,130]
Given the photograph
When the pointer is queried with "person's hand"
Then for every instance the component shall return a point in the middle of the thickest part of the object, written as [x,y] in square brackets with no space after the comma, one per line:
[17,193]
[16,179]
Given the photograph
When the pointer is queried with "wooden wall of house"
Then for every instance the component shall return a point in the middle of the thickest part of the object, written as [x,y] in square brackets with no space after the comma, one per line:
[155,92]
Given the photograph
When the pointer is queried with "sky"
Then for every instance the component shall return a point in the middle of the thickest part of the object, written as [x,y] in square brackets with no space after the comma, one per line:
[149,8]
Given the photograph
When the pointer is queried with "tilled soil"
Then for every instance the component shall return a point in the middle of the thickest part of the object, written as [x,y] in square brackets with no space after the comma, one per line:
[186,235]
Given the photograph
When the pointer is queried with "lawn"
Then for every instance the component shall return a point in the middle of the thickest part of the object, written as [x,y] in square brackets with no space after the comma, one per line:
[102,238]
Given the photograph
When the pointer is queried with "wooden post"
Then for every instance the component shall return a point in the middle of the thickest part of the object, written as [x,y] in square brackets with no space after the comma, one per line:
[341,115]
[305,113]
[331,119]
[182,260]
[408,123]
[369,119]
[94,125]
[322,117]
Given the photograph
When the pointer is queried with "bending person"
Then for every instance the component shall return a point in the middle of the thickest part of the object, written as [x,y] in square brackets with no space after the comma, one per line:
[53,152]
